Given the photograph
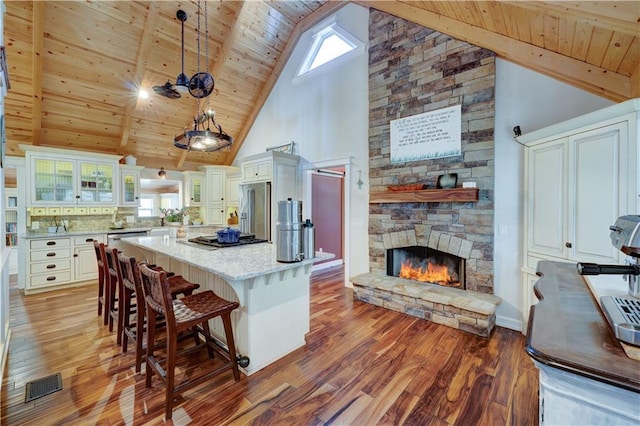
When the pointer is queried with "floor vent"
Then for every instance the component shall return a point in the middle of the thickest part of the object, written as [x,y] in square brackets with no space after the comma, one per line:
[42,387]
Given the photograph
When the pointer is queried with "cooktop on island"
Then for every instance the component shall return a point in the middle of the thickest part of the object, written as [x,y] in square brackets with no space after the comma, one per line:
[212,240]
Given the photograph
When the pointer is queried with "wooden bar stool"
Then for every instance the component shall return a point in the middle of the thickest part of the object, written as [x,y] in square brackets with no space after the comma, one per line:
[114,292]
[101,257]
[188,313]
[132,288]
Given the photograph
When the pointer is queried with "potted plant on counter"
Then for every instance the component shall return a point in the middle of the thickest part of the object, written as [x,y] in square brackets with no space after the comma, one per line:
[173,217]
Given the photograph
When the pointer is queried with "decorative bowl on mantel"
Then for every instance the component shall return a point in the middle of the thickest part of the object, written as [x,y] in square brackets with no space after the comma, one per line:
[407,187]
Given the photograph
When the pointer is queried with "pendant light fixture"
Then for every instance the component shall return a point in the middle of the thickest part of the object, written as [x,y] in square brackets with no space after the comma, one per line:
[206,134]
[182,82]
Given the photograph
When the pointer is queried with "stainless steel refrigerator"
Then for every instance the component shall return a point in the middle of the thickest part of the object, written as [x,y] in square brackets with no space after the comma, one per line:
[255,209]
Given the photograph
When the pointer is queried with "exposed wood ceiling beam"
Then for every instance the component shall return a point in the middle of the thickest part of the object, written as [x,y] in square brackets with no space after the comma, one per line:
[585,76]
[138,73]
[578,13]
[229,42]
[36,82]
[302,26]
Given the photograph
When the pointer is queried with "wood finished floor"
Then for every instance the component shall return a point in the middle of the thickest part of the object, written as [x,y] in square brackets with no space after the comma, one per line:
[362,365]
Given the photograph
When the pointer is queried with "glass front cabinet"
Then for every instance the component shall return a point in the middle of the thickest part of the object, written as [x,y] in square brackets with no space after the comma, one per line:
[58,178]
[129,185]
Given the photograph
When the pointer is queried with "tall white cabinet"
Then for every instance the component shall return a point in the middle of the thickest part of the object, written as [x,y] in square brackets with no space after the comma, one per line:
[580,176]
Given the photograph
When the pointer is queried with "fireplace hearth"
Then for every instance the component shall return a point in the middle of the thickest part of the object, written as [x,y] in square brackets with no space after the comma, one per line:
[426,265]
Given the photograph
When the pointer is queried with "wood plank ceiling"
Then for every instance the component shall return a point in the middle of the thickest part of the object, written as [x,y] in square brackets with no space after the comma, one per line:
[75,67]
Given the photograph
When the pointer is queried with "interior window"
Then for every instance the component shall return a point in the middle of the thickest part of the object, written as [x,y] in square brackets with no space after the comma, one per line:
[147,206]
[329,43]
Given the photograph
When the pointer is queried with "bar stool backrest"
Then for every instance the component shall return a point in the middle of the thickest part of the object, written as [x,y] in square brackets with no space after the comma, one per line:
[157,294]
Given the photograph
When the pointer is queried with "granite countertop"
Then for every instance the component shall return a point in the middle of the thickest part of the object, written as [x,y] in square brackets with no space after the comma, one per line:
[568,331]
[77,233]
[74,233]
[230,263]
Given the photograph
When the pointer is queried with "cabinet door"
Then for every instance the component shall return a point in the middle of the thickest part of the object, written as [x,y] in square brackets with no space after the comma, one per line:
[129,188]
[85,266]
[597,196]
[216,214]
[257,171]
[96,182]
[195,190]
[547,186]
[53,181]
[215,186]
[233,192]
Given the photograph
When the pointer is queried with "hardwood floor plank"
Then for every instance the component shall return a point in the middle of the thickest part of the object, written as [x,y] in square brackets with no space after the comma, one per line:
[362,365]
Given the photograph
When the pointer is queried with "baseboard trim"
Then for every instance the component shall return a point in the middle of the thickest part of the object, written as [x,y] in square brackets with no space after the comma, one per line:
[325,265]
[511,323]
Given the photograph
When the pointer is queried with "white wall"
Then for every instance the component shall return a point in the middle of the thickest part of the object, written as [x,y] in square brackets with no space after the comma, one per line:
[327,117]
[531,101]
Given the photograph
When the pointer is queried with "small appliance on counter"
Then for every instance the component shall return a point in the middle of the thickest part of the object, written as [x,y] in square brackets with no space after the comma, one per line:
[309,239]
[289,237]
[623,313]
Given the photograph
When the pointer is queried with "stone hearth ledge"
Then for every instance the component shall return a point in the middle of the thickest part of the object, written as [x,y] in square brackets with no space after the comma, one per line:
[469,311]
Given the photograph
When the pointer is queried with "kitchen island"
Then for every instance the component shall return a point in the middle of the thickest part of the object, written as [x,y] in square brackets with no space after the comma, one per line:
[585,375]
[273,317]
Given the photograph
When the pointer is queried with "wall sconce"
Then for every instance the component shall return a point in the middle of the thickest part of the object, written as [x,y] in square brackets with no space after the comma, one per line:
[162,173]
[359,182]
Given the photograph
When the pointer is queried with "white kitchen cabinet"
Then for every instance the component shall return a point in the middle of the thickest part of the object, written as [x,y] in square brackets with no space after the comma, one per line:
[580,176]
[85,265]
[282,170]
[60,261]
[233,190]
[215,194]
[59,177]
[194,188]
[257,171]
[129,185]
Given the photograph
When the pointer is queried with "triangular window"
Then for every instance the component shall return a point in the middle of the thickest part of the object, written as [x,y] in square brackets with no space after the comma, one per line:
[328,44]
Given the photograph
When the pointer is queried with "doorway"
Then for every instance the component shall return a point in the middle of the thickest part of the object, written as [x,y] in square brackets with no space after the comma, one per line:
[327,212]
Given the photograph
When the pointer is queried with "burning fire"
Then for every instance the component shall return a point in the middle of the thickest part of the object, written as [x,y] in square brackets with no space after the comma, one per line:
[433,274]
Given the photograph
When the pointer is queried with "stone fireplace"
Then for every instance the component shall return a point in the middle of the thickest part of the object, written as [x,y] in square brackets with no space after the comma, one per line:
[426,265]
[412,70]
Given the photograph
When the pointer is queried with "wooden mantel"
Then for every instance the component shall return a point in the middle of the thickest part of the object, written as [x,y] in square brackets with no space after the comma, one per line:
[457,195]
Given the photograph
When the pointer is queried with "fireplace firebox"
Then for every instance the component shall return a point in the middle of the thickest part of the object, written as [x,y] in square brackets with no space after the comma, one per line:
[426,265]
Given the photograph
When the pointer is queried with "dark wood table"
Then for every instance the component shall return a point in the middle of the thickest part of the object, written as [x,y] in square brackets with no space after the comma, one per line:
[568,331]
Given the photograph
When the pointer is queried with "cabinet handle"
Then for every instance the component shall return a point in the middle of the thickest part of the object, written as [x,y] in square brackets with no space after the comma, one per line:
[51,254]
[77,197]
[89,240]
[51,266]
[75,254]
[222,199]
[51,243]
[51,278]
[568,245]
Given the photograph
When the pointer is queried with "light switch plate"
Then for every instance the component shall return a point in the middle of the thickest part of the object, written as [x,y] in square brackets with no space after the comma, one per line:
[35,225]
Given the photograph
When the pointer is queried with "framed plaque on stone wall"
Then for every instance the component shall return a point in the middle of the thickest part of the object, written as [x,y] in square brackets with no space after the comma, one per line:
[426,136]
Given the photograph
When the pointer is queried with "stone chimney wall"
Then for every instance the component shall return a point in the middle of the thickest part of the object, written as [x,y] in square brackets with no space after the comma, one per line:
[412,70]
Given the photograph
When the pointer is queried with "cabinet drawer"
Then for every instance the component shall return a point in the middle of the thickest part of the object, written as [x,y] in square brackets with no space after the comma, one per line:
[51,243]
[53,267]
[81,210]
[68,211]
[87,240]
[36,256]
[38,211]
[50,279]
[94,210]
[53,211]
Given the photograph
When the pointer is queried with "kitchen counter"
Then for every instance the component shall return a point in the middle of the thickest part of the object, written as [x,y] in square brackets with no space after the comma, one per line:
[230,263]
[274,297]
[585,375]
[201,229]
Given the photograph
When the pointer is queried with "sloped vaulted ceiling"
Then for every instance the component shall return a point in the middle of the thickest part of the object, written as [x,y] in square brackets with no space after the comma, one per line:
[75,67]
